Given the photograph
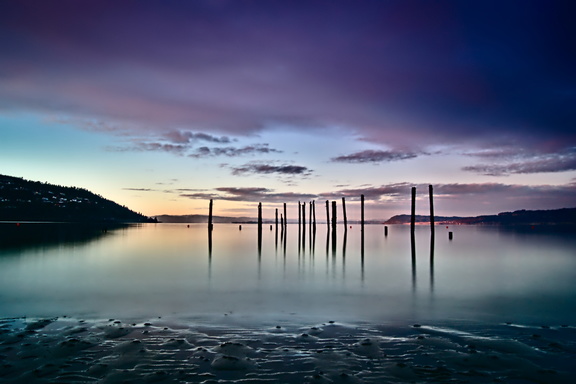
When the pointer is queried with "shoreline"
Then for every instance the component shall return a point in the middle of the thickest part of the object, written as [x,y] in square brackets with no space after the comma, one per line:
[72,350]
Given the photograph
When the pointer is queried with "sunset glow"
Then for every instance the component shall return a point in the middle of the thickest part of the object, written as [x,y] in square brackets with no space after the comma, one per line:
[164,105]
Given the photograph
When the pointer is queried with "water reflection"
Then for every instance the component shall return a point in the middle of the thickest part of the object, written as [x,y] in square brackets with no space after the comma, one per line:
[481,272]
[30,235]
[432,238]
[413,253]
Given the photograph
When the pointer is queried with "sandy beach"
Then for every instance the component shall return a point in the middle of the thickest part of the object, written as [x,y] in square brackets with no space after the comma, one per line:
[70,350]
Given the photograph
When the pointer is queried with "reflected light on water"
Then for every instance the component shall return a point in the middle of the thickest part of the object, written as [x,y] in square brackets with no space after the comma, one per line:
[362,275]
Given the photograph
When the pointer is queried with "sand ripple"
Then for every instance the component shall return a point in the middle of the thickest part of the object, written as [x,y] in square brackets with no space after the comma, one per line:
[68,350]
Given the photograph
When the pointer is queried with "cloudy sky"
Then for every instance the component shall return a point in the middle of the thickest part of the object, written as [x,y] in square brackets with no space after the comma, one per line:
[163,105]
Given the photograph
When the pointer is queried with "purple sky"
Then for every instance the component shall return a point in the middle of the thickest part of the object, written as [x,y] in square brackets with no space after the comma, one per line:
[160,105]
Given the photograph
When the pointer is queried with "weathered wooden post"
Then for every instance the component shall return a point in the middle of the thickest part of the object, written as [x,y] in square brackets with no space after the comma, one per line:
[259,225]
[450,236]
[311,207]
[304,216]
[299,216]
[334,220]
[276,219]
[344,213]
[285,217]
[333,215]
[210,216]
[385,230]
[430,192]
[303,225]
[327,214]
[314,213]
[413,215]
[362,211]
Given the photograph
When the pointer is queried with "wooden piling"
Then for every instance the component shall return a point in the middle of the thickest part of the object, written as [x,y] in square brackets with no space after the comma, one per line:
[430,192]
[334,215]
[344,212]
[259,228]
[304,216]
[276,218]
[285,217]
[210,226]
[259,219]
[314,213]
[327,214]
[385,230]
[450,236]
[413,214]
[299,216]
[362,211]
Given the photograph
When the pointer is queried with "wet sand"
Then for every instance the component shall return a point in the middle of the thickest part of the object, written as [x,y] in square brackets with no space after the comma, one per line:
[70,350]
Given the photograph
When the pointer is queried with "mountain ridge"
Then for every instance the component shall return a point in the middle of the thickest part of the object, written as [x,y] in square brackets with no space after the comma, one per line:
[25,200]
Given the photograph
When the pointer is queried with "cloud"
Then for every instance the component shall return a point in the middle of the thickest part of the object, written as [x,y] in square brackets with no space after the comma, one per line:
[184,137]
[266,169]
[539,163]
[374,156]
[402,191]
[252,194]
[397,78]
[394,198]
[233,151]
[140,189]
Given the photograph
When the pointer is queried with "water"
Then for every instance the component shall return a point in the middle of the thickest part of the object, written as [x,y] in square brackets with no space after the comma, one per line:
[485,275]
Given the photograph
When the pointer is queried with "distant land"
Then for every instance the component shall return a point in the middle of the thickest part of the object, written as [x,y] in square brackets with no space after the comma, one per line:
[564,216]
[24,200]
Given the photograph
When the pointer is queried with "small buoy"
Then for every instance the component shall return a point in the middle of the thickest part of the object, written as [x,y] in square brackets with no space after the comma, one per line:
[188,226]
[350,226]
[17,224]
[240,227]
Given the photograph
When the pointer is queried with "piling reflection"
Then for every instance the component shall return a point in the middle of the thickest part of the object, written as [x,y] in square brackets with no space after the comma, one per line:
[362,255]
[432,240]
[413,252]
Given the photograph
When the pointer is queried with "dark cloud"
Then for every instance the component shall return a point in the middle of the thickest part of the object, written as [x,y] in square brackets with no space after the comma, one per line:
[543,163]
[178,149]
[140,189]
[487,198]
[402,191]
[261,168]
[233,151]
[253,194]
[407,73]
[183,137]
[374,156]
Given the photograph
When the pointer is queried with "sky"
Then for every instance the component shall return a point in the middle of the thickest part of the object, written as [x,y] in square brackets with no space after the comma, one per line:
[163,105]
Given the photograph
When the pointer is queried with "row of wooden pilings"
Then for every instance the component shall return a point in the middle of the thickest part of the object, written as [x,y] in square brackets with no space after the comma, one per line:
[332,221]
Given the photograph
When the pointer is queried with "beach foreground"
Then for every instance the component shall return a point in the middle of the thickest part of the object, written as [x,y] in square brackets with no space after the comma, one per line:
[70,350]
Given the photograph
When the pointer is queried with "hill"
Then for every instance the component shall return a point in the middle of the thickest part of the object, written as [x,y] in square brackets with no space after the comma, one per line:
[564,216]
[24,200]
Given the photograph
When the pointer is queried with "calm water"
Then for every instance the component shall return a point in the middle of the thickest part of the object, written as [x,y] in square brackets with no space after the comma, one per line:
[483,274]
